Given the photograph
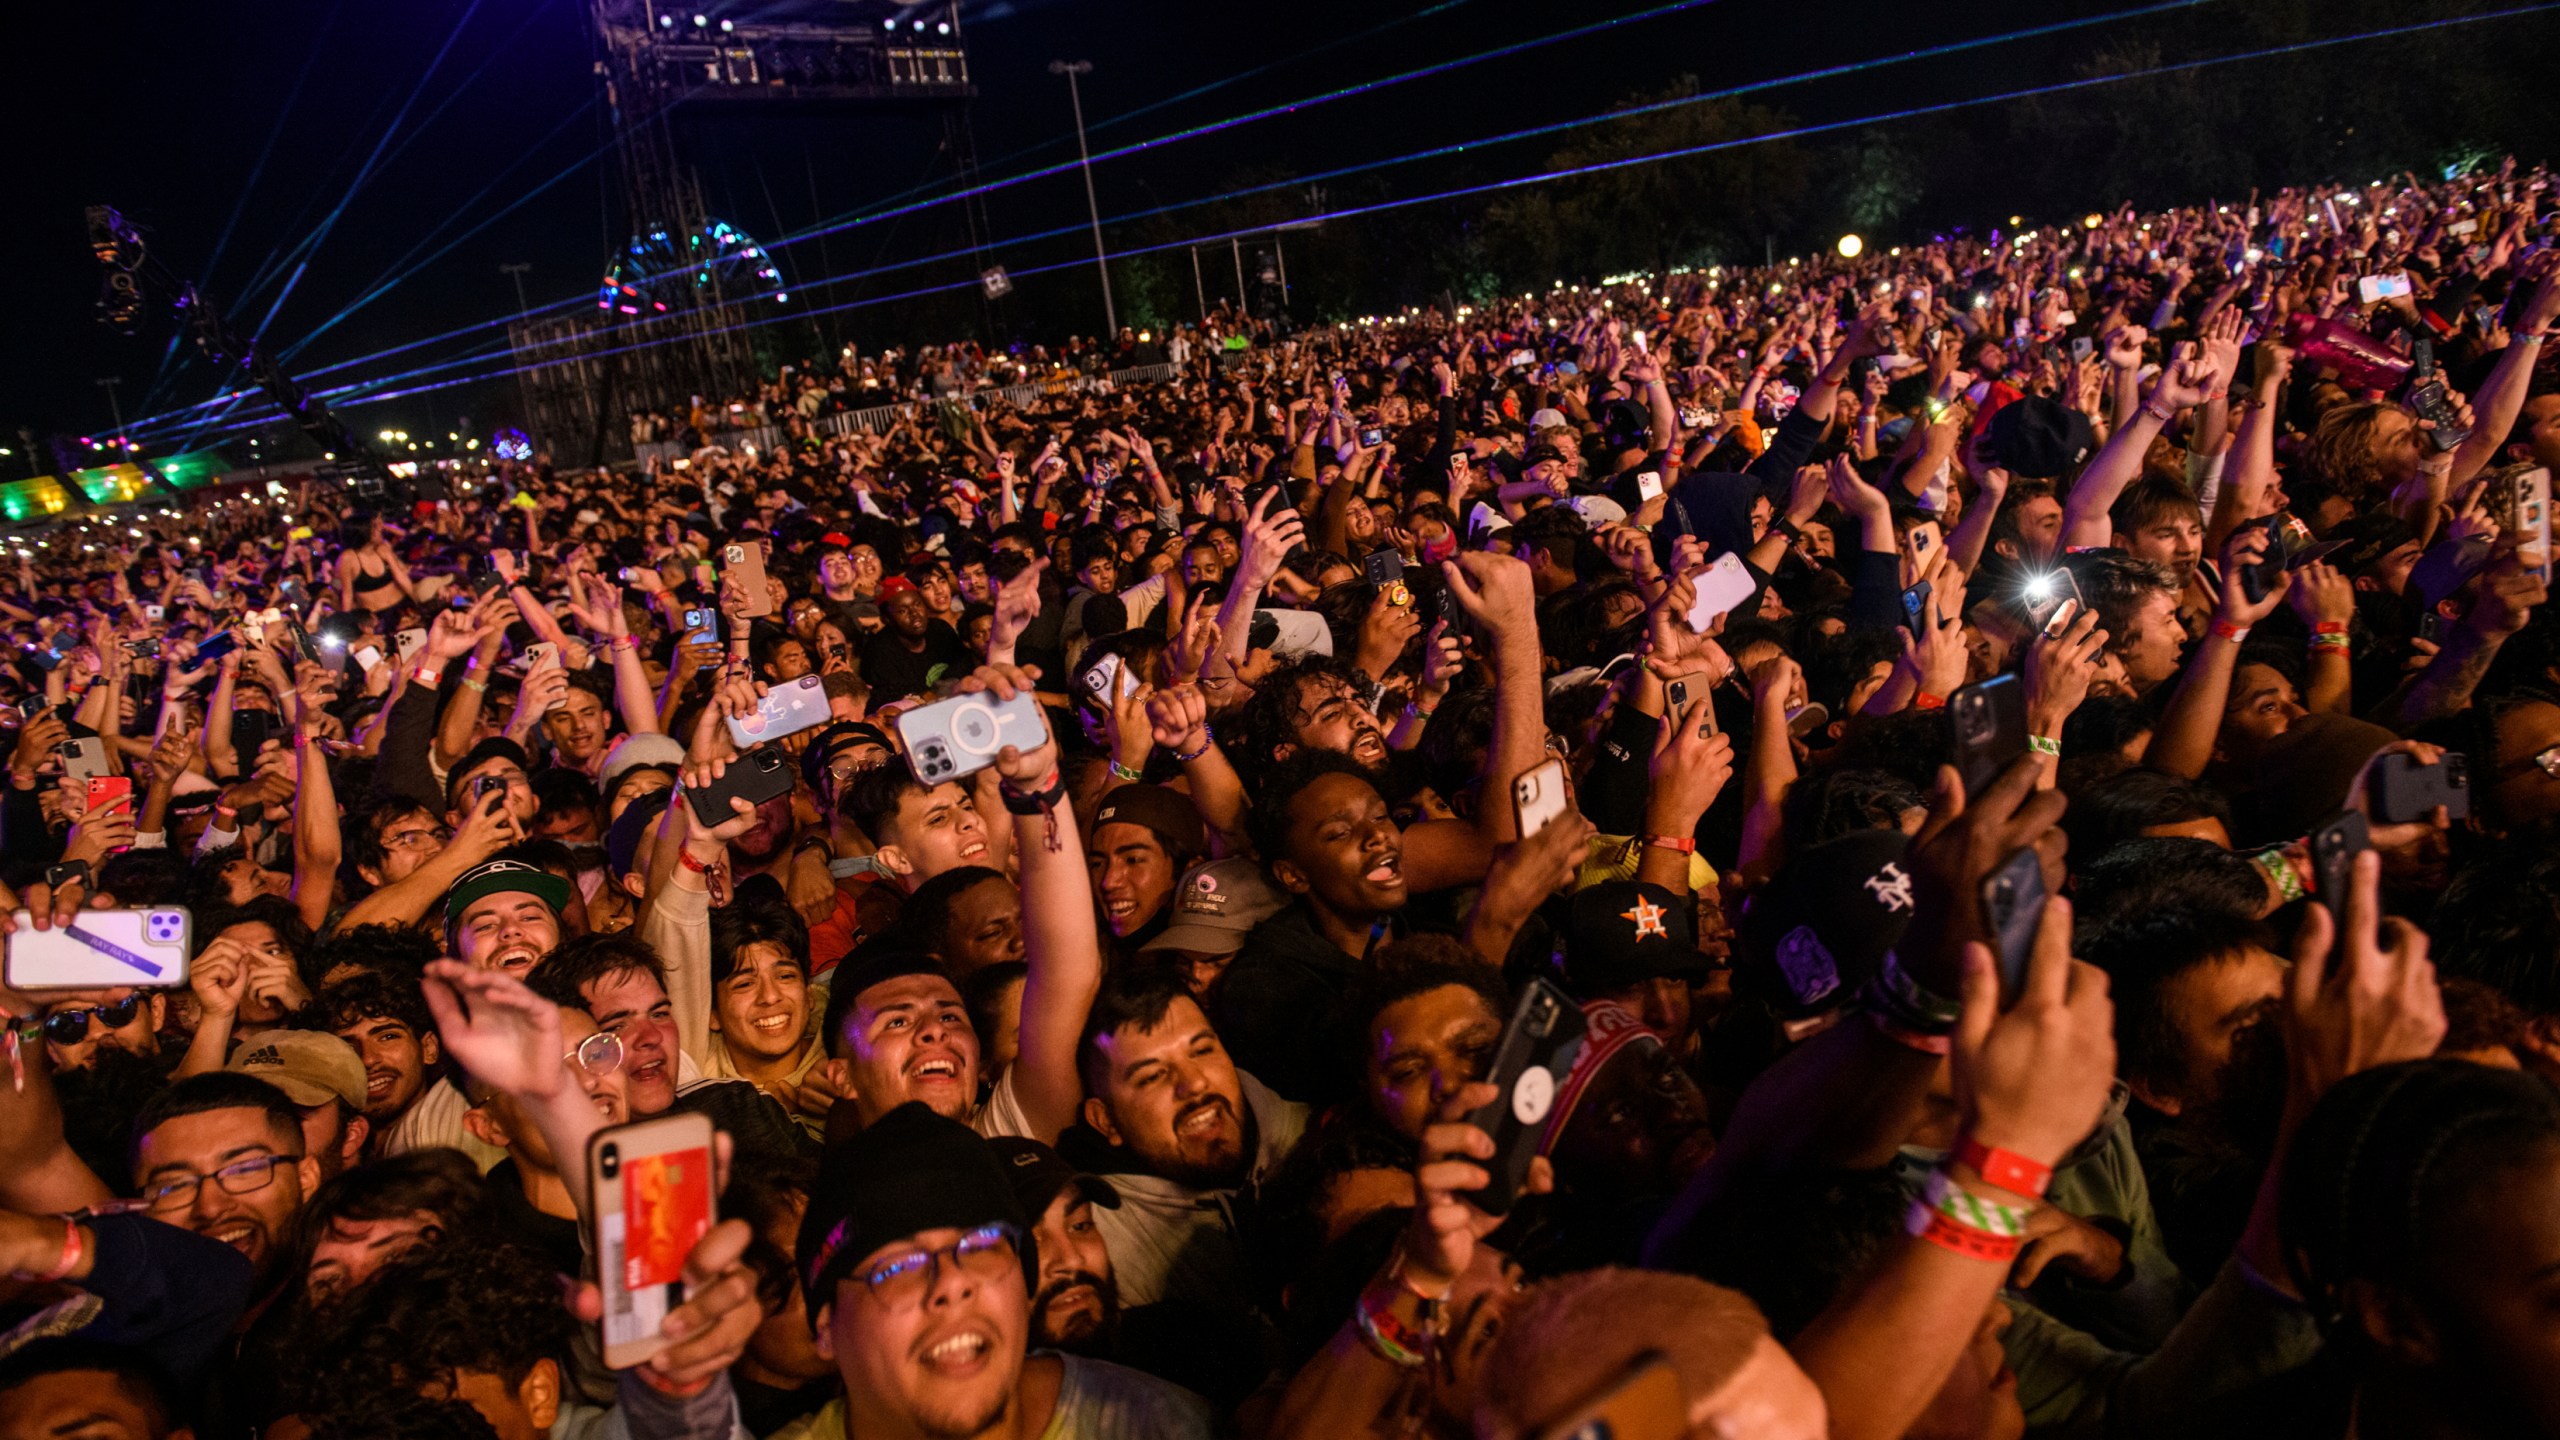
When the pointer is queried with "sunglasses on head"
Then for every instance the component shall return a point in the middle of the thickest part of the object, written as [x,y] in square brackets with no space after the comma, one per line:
[70,1027]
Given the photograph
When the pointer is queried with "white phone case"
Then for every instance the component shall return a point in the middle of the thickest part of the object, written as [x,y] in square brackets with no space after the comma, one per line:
[1721,586]
[102,950]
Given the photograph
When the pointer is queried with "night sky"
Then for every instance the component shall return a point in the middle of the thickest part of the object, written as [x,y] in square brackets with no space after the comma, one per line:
[169,112]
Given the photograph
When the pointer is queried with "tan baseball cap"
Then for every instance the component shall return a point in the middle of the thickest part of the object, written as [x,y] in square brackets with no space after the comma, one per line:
[310,1067]
[1217,905]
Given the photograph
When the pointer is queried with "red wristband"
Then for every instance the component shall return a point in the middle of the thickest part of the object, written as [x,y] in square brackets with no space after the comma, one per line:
[1682,843]
[2007,1169]
[1926,701]
[685,858]
[2329,627]
[427,676]
[1968,1242]
[2225,630]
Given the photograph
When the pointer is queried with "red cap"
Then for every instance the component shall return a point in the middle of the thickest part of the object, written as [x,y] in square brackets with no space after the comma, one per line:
[896,585]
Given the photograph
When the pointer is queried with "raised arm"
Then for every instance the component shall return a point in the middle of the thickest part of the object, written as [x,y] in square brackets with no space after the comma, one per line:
[1496,594]
[317,844]
[1060,940]
[2085,523]
[2183,744]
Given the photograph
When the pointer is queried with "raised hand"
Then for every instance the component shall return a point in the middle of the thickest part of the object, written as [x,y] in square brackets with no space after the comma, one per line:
[496,1029]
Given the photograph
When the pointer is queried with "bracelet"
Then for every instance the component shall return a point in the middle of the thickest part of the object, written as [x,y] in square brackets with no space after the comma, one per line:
[2006,1169]
[1926,701]
[2225,630]
[2156,411]
[622,642]
[2045,745]
[684,857]
[1686,845]
[1035,801]
[1123,772]
[1936,1228]
[73,1246]
[2339,643]
[1953,1200]
[1391,1339]
[1208,742]
[427,675]
[2279,869]
[2329,627]
[475,686]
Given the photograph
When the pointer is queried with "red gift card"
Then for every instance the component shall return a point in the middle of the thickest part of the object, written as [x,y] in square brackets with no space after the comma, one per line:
[666,1208]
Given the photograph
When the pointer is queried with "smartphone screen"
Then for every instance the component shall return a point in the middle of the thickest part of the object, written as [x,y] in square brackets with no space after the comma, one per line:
[654,1199]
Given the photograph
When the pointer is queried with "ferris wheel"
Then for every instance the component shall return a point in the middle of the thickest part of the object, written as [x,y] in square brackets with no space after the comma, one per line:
[664,270]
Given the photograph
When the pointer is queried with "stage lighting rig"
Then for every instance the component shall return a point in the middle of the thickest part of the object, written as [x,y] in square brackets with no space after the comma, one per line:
[133,272]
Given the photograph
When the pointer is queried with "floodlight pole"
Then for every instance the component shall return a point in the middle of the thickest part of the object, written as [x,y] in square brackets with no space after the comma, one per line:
[1084,156]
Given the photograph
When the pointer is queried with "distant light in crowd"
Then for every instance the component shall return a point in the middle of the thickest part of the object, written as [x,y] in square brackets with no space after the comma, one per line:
[1851,247]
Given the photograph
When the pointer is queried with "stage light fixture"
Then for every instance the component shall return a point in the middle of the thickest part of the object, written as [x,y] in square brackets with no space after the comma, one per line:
[666,22]
[700,21]
[942,27]
[727,26]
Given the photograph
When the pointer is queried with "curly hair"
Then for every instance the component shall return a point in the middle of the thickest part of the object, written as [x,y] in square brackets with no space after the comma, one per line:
[423,1321]
[2340,449]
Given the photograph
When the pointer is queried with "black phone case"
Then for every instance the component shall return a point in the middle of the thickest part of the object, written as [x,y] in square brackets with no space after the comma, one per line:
[1990,722]
[755,777]
[1915,607]
[2334,848]
[2012,905]
[1383,567]
[2406,791]
[1544,1035]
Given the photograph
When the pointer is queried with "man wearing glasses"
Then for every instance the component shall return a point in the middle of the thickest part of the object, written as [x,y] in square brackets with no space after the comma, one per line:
[916,1258]
[221,1154]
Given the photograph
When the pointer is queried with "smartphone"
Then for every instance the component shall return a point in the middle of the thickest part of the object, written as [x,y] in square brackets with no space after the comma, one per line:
[539,654]
[83,760]
[249,731]
[1721,586]
[1529,1065]
[1915,608]
[702,626]
[1991,729]
[1372,436]
[2405,791]
[106,790]
[1102,680]
[154,613]
[1540,797]
[1649,482]
[655,1196]
[1383,567]
[786,709]
[2334,848]
[102,950]
[484,786]
[366,657]
[2529,515]
[2463,227]
[2012,905]
[2382,287]
[1922,540]
[409,643]
[1644,1402]
[142,649]
[755,777]
[746,561]
[962,735]
[2082,347]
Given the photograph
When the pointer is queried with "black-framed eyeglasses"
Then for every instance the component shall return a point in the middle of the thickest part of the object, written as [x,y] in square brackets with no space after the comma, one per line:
[990,1252]
[240,1177]
[71,1026]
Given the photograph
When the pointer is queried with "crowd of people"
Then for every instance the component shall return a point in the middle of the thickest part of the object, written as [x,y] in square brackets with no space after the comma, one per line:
[1949,844]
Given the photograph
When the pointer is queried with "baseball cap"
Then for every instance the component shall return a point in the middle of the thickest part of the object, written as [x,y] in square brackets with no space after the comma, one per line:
[312,1067]
[907,1172]
[895,585]
[622,838]
[1217,905]
[2038,438]
[1821,927]
[1542,452]
[1293,632]
[838,736]
[1625,932]
[630,753]
[497,876]
[1038,1173]
[1169,814]
[1545,416]
[1608,1027]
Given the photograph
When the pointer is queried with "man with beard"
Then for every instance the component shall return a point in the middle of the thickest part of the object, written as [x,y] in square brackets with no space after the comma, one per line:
[1076,1307]
[408,1103]
[326,1080]
[916,1256]
[1187,1131]
[222,1155]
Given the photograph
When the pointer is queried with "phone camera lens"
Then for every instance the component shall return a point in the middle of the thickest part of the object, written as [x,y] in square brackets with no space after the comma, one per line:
[609,1160]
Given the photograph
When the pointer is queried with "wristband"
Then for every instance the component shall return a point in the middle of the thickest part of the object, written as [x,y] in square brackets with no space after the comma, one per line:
[1944,1195]
[1682,843]
[1392,1340]
[1123,772]
[2339,643]
[1208,742]
[2279,869]
[2225,630]
[2156,411]
[1946,1234]
[73,1246]
[2329,627]
[2006,1169]
[684,857]
[1925,1044]
[1783,526]
[2045,745]
[427,675]
[1036,801]
[1926,701]
[476,687]
[1413,711]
